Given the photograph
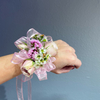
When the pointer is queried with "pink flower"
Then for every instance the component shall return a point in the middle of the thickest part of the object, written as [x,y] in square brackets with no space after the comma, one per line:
[28,68]
[32,52]
[36,43]
[52,48]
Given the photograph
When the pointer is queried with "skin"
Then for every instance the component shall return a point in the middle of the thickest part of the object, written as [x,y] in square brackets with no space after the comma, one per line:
[63,63]
[66,59]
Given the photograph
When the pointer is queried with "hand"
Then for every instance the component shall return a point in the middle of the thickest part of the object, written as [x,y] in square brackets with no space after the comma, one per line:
[66,59]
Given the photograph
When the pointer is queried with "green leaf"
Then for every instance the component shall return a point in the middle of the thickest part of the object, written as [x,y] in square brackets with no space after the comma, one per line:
[47,56]
[33,44]
[41,65]
[24,43]
[33,63]
[35,36]
[44,40]
[41,60]
[44,45]
[38,56]
[47,47]
[29,59]
[42,50]
[41,37]
[45,59]
[26,49]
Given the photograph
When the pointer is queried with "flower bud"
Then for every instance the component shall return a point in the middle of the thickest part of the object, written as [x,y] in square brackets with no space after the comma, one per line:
[22,46]
[52,48]
[27,67]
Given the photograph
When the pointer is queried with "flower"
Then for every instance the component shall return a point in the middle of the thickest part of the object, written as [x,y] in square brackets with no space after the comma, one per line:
[27,67]
[51,48]
[42,50]
[41,58]
[40,37]
[35,43]
[36,54]
[28,64]
[22,46]
[32,52]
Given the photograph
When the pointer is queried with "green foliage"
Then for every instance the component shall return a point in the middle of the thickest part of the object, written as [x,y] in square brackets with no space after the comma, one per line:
[25,43]
[44,40]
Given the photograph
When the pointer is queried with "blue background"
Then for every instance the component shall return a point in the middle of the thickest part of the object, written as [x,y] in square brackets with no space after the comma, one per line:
[75,21]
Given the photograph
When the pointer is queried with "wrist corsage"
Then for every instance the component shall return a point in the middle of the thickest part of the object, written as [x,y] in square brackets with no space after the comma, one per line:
[36,55]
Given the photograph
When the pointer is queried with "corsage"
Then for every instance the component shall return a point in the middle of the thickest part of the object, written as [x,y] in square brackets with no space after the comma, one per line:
[36,55]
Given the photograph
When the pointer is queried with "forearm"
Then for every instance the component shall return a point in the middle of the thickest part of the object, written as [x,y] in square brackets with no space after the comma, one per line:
[8,70]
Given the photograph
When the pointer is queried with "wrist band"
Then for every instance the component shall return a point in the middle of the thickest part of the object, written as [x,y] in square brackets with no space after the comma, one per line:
[36,55]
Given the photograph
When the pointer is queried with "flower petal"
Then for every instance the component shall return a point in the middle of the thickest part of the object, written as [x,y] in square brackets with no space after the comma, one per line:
[52,48]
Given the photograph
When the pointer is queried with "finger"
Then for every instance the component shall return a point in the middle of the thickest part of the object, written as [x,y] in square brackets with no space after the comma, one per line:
[59,71]
[65,69]
[77,63]
[71,59]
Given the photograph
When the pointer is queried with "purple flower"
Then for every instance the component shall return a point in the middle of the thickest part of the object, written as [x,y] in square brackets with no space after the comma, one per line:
[32,52]
[35,43]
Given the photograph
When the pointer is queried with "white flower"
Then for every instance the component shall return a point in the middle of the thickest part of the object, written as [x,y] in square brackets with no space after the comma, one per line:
[42,50]
[36,66]
[28,64]
[22,46]
[51,48]
[38,57]
[31,70]
[44,62]
[28,68]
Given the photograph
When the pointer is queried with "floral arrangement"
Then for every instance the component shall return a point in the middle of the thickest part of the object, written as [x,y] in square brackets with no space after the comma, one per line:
[36,54]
